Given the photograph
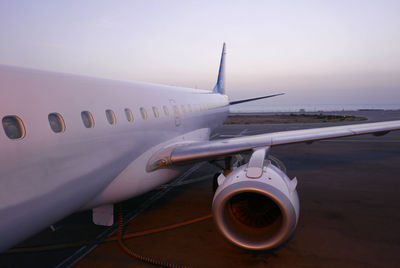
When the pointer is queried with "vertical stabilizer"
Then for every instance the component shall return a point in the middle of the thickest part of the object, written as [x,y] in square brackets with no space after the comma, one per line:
[220,86]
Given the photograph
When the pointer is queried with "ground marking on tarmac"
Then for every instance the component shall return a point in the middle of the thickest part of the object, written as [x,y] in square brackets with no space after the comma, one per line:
[369,141]
[243,132]
[83,251]
[202,178]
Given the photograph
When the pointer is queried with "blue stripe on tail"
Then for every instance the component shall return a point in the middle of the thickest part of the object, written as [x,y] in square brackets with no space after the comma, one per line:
[220,86]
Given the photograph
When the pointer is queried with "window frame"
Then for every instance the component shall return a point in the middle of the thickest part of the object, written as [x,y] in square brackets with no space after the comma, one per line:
[129,115]
[60,120]
[110,115]
[166,110]
[155,111]
[143,113]
[20,125]
[90,117]
[176,110]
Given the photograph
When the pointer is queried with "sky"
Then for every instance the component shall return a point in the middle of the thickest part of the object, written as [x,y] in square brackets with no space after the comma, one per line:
[325,52]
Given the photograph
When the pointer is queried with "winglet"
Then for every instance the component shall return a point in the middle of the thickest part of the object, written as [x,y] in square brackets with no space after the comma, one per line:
[220,86]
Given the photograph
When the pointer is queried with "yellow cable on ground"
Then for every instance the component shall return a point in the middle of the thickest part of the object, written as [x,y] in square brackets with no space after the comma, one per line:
[46,248]
[142,258]
[110,239]
[159,229]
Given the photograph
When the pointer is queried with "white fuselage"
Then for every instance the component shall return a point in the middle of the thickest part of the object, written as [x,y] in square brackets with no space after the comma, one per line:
[46,176]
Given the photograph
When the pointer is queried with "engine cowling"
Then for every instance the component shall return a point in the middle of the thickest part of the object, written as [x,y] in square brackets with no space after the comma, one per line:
[256,213]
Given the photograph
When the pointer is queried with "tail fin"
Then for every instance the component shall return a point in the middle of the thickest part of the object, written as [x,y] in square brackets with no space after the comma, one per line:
[220,86]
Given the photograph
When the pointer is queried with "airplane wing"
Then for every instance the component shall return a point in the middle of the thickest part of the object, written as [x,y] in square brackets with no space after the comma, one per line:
[199,151]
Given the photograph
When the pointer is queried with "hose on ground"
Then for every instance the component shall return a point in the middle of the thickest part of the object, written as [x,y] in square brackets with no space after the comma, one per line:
[109,239]
[138,256]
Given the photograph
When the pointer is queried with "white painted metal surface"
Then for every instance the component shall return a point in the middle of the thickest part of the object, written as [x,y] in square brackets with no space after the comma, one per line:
[103,215]
[187,153]
[256,163]
[257,229]
[46,176]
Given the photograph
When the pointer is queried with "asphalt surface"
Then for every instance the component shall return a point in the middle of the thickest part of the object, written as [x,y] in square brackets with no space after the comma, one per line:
[349,191]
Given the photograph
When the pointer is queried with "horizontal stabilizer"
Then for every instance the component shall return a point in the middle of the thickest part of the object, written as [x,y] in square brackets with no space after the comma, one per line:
[253,99]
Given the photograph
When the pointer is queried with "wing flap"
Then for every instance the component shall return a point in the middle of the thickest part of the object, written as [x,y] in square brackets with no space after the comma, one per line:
[194,152]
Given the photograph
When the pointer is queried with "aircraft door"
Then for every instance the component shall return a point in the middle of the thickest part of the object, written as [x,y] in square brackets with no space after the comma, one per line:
[176,112]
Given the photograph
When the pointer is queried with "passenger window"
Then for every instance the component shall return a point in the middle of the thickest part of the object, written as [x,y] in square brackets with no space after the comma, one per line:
[111,117]
[56,122]
[13,127]
[155,111]
[183,108]
[129,115]
[87,119]
[176,110]
[143,113]
[189,108]
[166,112]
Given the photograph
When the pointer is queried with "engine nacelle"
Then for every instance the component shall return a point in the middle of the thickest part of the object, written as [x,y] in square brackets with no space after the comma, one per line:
[256,213]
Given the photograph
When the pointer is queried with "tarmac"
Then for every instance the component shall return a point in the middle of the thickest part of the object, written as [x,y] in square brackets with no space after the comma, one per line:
[349,190]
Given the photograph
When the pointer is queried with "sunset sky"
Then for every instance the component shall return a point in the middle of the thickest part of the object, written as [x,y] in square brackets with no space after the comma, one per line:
[314,51]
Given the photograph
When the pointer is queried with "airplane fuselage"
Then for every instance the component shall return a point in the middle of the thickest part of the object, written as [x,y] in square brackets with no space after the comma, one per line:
[72,143]
[45,176]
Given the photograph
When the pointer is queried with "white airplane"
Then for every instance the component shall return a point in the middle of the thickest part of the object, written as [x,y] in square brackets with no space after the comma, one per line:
[74,143]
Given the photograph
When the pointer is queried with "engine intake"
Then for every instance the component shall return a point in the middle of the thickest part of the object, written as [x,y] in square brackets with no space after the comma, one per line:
[257,214]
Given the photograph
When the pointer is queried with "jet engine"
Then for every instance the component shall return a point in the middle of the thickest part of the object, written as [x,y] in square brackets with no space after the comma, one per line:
[256,206]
